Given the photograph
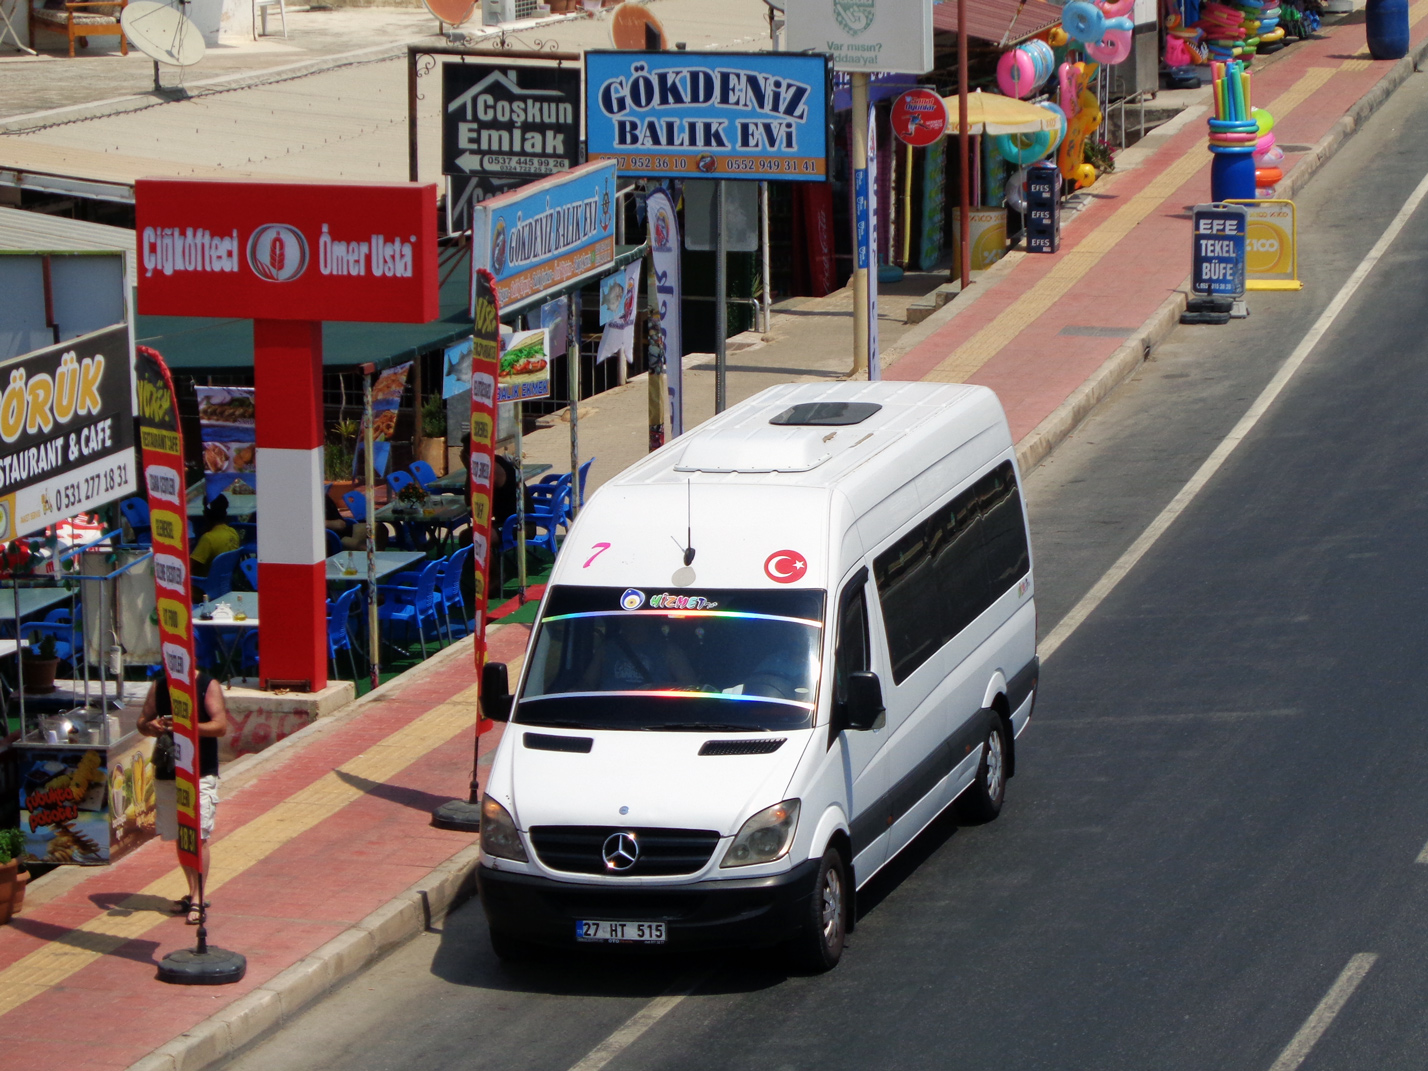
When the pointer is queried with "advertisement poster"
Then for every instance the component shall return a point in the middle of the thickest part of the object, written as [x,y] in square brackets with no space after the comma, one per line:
[612,297]
[619,335]
[456,368]
[730,115]
[75,809]
[536,238]
[555,319]
[485,368]
[525,367]
[503,121]
[66,431]
[226,421]
[668,285]
[161,441]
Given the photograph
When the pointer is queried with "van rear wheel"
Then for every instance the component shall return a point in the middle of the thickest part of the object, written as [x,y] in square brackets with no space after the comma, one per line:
[820,945]
[983,799]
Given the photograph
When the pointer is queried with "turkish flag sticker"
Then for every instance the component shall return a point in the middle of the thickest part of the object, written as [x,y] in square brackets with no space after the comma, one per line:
[785,566]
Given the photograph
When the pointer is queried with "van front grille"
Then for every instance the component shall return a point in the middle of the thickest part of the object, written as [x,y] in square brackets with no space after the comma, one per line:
[579,849]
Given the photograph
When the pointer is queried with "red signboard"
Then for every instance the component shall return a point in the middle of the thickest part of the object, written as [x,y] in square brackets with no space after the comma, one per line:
[919,117]
[287,251]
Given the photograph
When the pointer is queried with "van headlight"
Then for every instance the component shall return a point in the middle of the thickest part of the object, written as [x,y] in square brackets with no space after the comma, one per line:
[498,832]
[764,837]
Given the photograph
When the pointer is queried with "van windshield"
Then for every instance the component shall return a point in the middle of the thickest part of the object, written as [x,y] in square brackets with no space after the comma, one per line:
[726,660]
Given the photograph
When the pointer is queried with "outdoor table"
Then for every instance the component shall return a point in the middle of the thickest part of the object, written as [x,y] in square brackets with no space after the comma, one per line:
[240,602]
[441,511]
[32,601]
[456,481]
[387,561]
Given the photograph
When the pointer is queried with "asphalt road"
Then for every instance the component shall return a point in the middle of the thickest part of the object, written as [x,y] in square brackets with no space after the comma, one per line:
[1208,857]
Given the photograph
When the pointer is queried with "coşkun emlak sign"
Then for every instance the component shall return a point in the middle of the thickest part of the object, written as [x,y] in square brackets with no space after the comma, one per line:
[287,251]
[66,431]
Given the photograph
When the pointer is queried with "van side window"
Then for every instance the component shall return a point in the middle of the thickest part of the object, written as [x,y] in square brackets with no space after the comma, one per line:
[851,654]
[939,577]
[1008,557]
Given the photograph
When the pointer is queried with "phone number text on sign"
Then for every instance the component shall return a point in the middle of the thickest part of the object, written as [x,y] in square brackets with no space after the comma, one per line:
[77,491]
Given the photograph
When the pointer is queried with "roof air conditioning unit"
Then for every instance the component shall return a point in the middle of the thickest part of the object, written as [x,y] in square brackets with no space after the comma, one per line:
[494,12]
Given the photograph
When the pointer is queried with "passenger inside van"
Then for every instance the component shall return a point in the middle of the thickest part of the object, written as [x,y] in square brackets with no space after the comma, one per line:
[636,653]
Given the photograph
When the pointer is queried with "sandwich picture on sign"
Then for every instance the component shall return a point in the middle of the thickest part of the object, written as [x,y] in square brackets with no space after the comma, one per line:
[525,365]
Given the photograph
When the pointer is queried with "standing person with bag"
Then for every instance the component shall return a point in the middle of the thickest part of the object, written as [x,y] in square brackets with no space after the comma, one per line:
[156,719]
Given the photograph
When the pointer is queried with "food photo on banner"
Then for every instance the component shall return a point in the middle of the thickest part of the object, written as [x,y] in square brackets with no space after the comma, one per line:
[619,333]
[755,115]
[226,422]
[525,365]
[67,426]
[76,809]
[386,399]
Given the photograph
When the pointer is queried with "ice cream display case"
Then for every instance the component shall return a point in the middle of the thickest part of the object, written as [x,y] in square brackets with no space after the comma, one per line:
[83,799]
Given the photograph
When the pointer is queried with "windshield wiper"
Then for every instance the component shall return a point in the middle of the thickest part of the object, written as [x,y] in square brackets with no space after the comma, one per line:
[701,727]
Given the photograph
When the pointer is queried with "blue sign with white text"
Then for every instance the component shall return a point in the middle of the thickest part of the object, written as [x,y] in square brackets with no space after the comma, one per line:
[1218,257]
[727,115]
[544,234]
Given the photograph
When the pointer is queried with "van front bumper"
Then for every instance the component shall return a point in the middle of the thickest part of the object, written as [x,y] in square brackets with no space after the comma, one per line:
[742,911]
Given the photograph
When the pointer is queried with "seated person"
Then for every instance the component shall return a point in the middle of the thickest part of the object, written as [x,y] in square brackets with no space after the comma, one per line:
[637,653]
[353,535]
[333,519]
[220,537]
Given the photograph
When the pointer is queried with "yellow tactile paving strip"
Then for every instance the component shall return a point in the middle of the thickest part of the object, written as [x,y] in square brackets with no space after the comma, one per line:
[51,965]
[1077,262]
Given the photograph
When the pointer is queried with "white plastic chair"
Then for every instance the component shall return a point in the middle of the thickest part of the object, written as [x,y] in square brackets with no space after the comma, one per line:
[260,7]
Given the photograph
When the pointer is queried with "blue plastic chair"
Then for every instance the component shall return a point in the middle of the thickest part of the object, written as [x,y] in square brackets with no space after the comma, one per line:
[413,605]
[339,623]
[584,472]
[398,481]
[249,566]
[334,542]
[453,605]
[136,512]
[76,628]
[248,656]
[36,630]
[423,473]
[219,580]
[356,505]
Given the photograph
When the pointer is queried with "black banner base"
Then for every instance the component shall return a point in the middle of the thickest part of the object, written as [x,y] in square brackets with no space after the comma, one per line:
[214,966]
[459,815]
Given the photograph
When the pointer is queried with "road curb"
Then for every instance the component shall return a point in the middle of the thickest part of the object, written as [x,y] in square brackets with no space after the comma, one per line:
[277,1001]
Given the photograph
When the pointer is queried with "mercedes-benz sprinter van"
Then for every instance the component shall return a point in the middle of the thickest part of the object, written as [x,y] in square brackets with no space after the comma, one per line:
[769,655]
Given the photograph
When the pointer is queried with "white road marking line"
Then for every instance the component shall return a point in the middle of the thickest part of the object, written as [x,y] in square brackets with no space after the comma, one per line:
[637,1024]
[1127,561]
[1322,1016]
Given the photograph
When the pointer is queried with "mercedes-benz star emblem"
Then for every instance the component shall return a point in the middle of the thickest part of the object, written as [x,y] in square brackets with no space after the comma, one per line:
[620,851]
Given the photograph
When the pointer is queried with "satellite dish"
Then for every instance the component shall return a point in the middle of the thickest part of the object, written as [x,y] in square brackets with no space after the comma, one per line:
[451,12]
[633,28]
[163,33]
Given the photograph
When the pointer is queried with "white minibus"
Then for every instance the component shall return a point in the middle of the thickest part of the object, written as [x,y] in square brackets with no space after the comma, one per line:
[769,655]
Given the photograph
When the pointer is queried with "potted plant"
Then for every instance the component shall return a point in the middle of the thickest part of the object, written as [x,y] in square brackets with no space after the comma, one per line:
[337,454]
[433,430]
[39,671]
[412,496]
[13,876]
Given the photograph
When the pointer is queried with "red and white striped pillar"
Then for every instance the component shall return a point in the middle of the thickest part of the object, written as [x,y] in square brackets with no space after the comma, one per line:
[292,581]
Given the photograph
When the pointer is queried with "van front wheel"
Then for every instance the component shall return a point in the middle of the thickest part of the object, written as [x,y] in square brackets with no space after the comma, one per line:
[983,799]
[819,947]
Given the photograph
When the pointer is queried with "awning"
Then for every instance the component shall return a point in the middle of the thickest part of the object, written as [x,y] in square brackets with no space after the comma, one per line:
[1001,22]
[206,345]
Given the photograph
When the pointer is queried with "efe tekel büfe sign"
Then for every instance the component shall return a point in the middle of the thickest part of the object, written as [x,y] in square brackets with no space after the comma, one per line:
[287,251]
[731,115]
[66,431]
[504,121]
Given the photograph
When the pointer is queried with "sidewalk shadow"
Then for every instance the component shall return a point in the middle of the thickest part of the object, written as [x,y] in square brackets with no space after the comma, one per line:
[768,370]
[415,798]
[101,943]
[121,904]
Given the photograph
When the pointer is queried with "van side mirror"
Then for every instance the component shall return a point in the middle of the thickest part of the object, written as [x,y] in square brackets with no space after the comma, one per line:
[495,692]
[865,700]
